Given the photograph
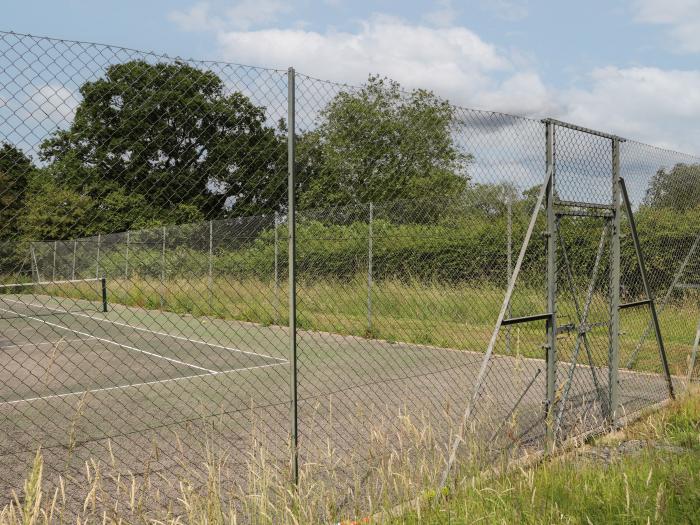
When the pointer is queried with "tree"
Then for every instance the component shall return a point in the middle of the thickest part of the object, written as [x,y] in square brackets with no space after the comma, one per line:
[379,144]
[677,188]
[15,172]
[166,135]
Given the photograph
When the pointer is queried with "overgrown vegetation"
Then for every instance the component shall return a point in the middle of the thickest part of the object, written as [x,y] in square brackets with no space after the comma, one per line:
[648,472]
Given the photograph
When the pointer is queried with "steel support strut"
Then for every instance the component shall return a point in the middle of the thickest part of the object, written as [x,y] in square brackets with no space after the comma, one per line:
[291,226]
[551,345]
[614,347]
[647,289]
[466,416]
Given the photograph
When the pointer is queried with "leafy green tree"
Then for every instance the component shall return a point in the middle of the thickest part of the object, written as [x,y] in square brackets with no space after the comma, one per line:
[15,172]
[149,138]
[677,188]
[379,144]
[58,212]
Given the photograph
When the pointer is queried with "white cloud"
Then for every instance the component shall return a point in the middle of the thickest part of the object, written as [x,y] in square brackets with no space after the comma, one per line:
[453,61]
[681,16]
[50,105]
[644,103]
[249,13]
[650,104]
[196,18]
[443,16]
[242,15]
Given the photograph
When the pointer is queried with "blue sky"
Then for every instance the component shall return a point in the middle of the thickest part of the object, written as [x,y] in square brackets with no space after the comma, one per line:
[628,66]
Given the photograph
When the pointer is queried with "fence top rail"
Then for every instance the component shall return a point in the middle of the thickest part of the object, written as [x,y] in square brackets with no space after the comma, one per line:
[154,54]
[575,127]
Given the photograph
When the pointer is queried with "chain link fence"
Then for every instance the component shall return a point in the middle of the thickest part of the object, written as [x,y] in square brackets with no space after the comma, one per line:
[463,286]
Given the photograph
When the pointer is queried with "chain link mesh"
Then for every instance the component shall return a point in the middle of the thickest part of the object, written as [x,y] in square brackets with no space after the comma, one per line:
[144,255]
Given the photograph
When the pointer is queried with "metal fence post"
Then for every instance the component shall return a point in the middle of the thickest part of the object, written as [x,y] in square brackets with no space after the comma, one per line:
[126,257]
[53,265]
[291,222]
[509,258]
[35,265]
[277,271]
[97,259]
[369,271]
[162,269]
[551,292]
[614,349]
[75,247]
[210,270]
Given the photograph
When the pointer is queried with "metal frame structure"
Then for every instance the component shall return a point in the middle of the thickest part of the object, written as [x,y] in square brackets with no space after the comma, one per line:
[554,210]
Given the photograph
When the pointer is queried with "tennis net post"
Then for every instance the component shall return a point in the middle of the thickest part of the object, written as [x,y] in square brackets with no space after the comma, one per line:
[103,283]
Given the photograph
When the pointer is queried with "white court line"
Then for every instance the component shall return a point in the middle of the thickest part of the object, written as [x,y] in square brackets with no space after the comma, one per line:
[115,343]
[144,329]
[134,385]
[43,343]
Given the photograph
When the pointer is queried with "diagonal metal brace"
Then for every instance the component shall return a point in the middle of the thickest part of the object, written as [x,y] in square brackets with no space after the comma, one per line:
[499,322]
[647,288]
[583,319]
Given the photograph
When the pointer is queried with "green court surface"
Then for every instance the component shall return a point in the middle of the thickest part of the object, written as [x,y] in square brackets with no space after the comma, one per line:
[141,386]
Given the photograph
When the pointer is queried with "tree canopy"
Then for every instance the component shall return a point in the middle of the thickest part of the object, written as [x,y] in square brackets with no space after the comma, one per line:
[15,171]
[149,139]
[677,188]
[378,144]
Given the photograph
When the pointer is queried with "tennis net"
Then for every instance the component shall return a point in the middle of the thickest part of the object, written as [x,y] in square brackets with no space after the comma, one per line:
[32,299]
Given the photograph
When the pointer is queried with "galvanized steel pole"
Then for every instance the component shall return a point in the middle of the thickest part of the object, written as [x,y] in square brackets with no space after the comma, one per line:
[97,259]
[551,345]
[369,271]
[291,223]
[614,348]
[277,271]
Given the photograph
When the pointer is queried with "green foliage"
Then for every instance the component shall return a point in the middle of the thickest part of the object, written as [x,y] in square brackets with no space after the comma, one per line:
[677,188]
[377,145]
[147,138]
[15,172]
[660,483]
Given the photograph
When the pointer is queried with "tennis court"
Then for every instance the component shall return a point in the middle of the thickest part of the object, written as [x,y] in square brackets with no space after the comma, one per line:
[154,387]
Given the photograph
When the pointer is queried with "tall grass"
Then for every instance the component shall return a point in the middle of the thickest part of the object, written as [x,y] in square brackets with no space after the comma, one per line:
[459,316]
[655,483]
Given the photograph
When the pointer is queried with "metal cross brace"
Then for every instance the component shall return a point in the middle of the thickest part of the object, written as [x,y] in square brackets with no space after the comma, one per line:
[582,319]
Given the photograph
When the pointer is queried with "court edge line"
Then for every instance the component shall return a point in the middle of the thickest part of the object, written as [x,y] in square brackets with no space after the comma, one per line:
[324,333]
[144,329]
[146,383]
[44,343]
[153,354]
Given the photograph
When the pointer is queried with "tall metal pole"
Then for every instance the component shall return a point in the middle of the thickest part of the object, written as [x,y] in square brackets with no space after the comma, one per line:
[97,259]
[369,271]
[509,257]
[35,265]
[277,271]
[162,269]
[291,223]
[75,247]
[126,257]
[210,270]
[53,266]
[614,348]
[551,345]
